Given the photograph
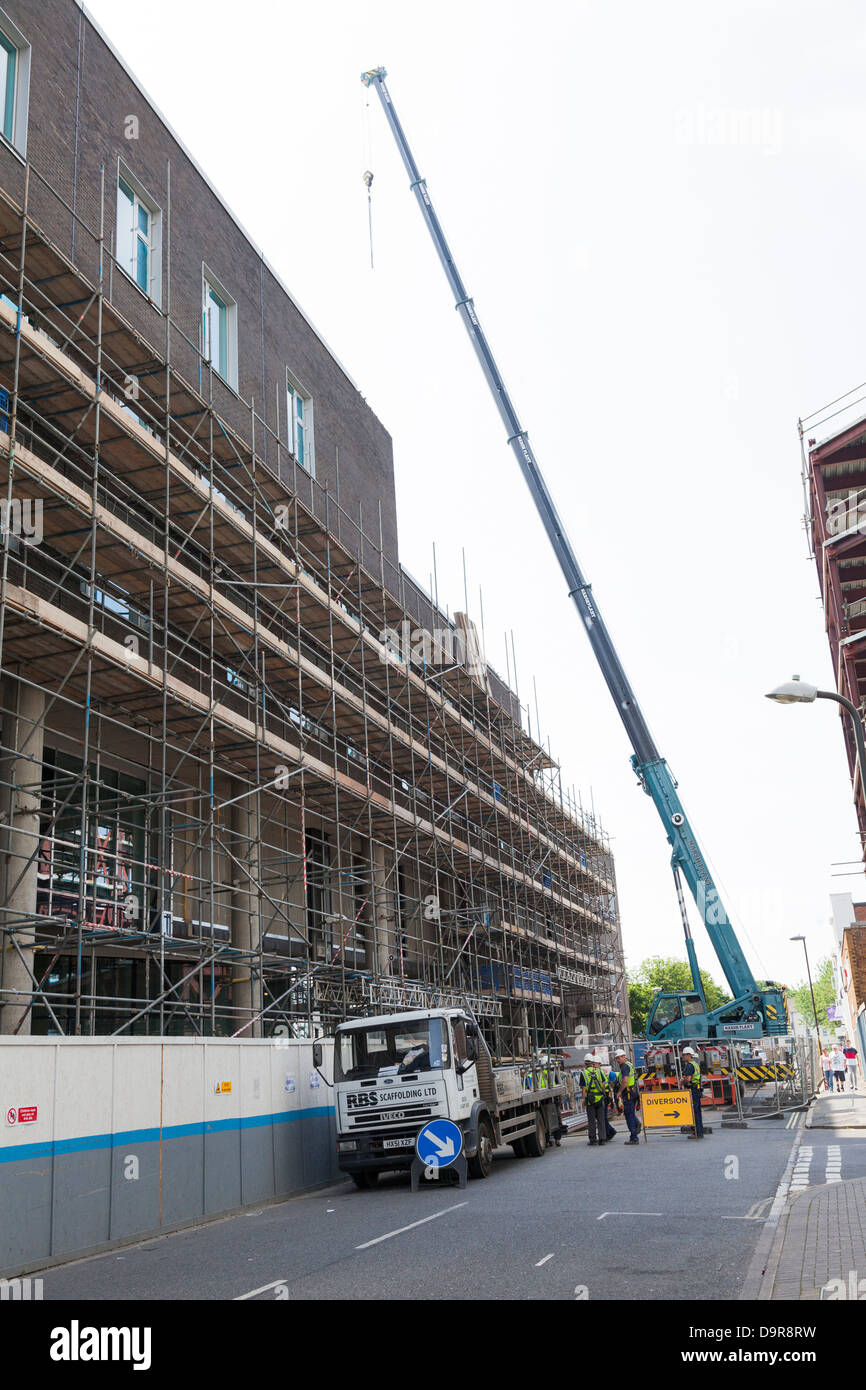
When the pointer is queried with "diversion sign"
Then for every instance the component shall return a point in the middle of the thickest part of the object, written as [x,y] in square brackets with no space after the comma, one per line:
[666,1108]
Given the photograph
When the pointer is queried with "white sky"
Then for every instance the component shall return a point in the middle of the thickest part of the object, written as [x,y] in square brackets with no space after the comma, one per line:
[659,212]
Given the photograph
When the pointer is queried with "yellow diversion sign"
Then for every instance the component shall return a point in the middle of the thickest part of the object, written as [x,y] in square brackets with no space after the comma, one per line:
[666,1108]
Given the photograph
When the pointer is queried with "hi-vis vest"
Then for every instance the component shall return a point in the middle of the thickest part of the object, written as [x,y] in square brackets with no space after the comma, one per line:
[695,1079]
[596,1085]
[627,1084]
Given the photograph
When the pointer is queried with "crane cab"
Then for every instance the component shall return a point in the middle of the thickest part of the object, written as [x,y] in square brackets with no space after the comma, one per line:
[676,1016]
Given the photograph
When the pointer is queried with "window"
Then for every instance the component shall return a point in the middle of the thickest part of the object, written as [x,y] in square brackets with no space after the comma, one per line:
[139,234]
[117,606]
[667,1010]
[14,83]
[299,414]
[219,329]
[236,680]
[397,1048]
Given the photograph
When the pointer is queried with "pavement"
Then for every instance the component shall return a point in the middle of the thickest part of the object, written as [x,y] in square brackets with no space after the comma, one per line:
[813,1246]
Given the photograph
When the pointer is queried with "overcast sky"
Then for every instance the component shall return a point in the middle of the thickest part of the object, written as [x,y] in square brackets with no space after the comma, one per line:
[659,212]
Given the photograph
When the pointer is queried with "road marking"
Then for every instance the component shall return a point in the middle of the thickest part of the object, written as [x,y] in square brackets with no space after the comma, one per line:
[629,1213]
[411,1227]
[252,1293]
[834,1164]
[539,1263]
[800,1175]
[760,1259]
[757,1209]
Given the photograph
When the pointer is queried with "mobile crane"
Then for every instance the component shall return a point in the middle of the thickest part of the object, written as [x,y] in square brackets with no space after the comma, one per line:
[755,1010]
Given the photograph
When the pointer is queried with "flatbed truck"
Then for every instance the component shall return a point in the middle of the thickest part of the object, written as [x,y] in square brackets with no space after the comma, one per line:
[393,1073]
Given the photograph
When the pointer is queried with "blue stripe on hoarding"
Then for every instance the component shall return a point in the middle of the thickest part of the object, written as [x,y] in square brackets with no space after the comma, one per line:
[151,1136]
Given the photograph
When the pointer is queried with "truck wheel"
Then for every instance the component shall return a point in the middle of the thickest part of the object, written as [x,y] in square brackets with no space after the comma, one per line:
[366,1181]
[480,1165]
[519,1147]
[537,1143]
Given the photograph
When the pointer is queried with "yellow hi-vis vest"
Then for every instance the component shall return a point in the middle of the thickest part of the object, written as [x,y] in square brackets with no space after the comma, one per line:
[627,1083]
[596,1084]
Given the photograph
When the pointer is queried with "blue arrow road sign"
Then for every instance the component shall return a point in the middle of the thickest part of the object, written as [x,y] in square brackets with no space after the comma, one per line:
[439,1143]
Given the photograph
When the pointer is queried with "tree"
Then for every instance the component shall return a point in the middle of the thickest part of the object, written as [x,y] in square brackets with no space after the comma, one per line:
[825,993]
[664,972]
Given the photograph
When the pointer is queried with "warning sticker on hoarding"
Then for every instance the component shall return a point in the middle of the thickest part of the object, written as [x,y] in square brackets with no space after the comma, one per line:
[21,1115]
[222,1088]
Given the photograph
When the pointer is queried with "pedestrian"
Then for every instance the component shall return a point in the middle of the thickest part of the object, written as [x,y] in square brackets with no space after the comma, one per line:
[628,1095]
[693,1079]
[850,1054]
[826,1069]
[594,1092]
[837,1062]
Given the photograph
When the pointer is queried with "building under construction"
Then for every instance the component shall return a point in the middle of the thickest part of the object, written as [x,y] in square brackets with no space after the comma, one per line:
[253,779]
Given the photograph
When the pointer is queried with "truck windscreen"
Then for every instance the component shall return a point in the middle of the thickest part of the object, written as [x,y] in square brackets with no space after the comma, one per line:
[392,1049]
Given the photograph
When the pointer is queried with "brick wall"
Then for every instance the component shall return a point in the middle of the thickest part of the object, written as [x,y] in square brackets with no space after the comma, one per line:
[854,965]
[80,98]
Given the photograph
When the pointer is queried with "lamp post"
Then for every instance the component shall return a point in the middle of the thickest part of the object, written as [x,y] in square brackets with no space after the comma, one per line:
[811,990]
[797,692]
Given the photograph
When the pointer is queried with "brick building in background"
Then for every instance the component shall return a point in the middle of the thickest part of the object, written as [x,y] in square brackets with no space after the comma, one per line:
[849,932]
[231,800]
[836,495]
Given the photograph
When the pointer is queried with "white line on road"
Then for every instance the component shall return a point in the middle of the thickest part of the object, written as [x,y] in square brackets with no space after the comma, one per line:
[800,1175]
[539,1263]
[252,1293]
[629,1213]
[399,1232]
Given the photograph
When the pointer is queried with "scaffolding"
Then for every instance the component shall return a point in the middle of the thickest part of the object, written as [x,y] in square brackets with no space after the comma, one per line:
[232,802]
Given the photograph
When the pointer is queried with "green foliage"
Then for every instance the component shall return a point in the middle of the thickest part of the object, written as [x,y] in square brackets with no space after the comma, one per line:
[825,993]
[663,972]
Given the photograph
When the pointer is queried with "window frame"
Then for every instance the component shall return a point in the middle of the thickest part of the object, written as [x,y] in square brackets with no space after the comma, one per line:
[296,392]
[15,43]
[210,284]
[142,198]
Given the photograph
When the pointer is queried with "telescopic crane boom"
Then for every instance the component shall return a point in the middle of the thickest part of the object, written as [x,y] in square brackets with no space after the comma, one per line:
[754,1011]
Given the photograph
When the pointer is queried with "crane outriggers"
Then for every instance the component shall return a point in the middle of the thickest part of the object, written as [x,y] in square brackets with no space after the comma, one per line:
[756,1009]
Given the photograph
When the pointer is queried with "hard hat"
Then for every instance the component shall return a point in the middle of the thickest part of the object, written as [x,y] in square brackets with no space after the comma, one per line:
[620,1052]
[590,1057]
[690,1050]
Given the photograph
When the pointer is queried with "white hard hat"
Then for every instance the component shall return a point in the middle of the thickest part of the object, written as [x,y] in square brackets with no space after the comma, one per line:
[620,1052]
[590,1057]
[690,1051]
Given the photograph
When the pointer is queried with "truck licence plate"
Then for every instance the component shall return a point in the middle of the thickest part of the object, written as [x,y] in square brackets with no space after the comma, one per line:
[397,1144]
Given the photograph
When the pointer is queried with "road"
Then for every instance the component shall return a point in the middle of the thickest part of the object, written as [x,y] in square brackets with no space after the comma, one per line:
[671,1219]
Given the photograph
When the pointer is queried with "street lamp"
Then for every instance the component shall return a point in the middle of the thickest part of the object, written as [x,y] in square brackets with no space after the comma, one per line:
[797,692]
[811,990]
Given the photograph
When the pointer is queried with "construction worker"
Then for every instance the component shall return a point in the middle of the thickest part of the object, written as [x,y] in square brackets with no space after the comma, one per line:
[694,1081]
[628,1094]
[594,1092]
